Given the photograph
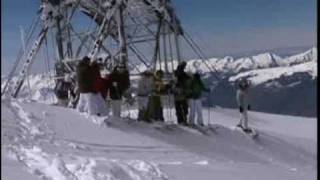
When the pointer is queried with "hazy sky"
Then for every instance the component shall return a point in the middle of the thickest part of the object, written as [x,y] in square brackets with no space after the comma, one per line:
[221,27]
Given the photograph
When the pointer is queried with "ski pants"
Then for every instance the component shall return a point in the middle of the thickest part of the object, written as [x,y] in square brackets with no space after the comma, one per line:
[181,107]
[244,118]
[143,106]
[116,107]
[195,111]
[100,104]
[155,109]
[86,104]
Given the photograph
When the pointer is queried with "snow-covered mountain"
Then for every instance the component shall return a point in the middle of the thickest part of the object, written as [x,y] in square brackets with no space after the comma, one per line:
[231,65]
[276,80]
[261,76]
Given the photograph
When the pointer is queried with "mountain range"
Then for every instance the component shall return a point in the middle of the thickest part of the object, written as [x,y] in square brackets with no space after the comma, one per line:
[284,85]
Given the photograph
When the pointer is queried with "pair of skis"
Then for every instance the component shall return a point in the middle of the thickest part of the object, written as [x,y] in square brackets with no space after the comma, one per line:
[252,133]
[205,130]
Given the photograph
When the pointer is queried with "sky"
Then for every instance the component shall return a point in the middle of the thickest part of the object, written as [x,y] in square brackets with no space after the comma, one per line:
[220,27]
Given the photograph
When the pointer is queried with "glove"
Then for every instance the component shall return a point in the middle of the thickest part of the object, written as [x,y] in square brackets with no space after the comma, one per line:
[249,107]
[240,109]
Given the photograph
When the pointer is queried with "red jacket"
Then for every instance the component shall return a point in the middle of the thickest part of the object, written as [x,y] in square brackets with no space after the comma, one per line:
[101,85]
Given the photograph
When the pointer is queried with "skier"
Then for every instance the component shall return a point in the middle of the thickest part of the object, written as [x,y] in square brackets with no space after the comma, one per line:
[155,108]
[85,79]
[197,87]
[120,83]
[243,104]
[181,93]
[145,85]
[100,88]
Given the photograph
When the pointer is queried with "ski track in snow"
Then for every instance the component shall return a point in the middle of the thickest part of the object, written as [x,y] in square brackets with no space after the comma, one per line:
[50,151]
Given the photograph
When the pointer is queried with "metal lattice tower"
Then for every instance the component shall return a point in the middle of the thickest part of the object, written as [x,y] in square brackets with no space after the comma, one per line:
[107,31]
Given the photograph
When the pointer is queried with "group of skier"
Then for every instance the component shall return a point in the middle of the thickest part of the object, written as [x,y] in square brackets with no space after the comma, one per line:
[185,88]
[95,88]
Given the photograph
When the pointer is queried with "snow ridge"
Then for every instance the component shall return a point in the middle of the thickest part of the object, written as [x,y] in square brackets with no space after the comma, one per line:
[228,64]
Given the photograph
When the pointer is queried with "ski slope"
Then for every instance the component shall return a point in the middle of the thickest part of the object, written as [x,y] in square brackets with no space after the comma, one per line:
[41,141]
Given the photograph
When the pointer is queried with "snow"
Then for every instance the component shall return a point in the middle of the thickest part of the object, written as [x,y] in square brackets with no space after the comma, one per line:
[51,142]
[37,87]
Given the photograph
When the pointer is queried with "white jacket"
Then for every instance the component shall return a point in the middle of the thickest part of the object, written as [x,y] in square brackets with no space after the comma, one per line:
[243,98]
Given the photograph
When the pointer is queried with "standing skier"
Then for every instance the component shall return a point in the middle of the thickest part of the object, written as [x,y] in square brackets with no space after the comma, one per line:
[85,79]
[243,104]
[181,90]
[145,85]
[197,87]
[100,88]
[120,83]
[155,108]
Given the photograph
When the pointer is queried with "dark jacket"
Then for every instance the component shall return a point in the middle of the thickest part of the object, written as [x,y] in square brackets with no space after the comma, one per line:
[182,86]
[122,81]
[85,78]
[159,86]
[197,87]
[181,76]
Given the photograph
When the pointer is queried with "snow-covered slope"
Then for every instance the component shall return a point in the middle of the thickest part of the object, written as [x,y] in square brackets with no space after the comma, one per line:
[49,142]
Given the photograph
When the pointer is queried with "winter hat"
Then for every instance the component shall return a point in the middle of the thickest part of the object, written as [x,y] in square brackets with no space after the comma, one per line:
[86,60]
[104,72]
[183,65]
[67,78]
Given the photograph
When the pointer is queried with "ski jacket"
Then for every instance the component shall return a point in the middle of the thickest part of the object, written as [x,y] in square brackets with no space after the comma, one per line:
[100,85]
[243,98]
[119,84]
[85,78]
[159,86]
[182,89]
[197,87]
